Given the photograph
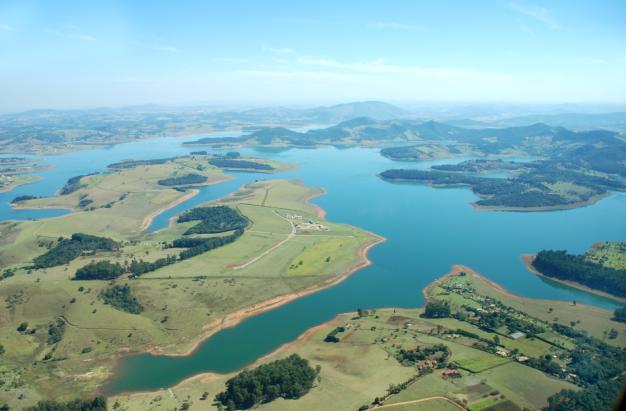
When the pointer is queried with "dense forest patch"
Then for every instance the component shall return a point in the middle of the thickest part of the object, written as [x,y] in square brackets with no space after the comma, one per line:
[577,268]
[94,404]
[68,249]
[74,184]
[137,163]
[288,378]
[120,297]
[100,270]
[186,179]
[230,163]
[213,220]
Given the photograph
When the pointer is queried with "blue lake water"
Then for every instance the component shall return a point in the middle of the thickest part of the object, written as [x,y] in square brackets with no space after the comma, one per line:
[428,230]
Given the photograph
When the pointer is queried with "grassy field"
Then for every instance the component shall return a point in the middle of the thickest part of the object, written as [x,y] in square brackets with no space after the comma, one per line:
[363,364]
[179,300]
[609,254]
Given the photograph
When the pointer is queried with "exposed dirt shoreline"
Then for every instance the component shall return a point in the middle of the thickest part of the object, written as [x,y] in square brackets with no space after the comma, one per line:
[528,262]
[234,318]
[571,206]
[309,333]
[10,187]
[147,221]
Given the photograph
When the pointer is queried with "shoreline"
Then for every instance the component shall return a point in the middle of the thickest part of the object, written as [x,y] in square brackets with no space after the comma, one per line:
[529,258]
[591,201]
[236,317]
[147,221]
[13,186]
[477,207]
[321,213]
[457,268]
[308,333]
[47,207]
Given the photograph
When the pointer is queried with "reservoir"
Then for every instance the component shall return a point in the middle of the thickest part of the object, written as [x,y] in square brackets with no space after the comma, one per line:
[427,230]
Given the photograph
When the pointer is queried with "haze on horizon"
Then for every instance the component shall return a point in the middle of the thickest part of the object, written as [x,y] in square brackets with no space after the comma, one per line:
[85,54]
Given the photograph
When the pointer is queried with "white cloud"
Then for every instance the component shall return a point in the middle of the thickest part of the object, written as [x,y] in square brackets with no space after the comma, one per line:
[279,50]
[5,27]
[538,13]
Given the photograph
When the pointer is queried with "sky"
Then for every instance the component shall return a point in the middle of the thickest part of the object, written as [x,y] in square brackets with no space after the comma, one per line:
[70,54]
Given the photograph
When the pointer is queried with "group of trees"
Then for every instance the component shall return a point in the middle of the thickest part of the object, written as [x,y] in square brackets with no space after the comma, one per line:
[601,396]
[99,270]
[23,198]
[332,336]
[94,404]
[137,163]
[289,378]
[437,309]
[107,270]
[209,244]
[68,249]
[194,247]
[438,352]
[213,220]
[479,166]
[73,184]
[139,267]
[564,266]
[185,179]
[620,314]
[55,331]
[121,297]
[245,164]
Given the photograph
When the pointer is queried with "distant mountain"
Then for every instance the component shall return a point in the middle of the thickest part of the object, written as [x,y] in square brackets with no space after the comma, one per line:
[575,121]
[376,110]
[366,130]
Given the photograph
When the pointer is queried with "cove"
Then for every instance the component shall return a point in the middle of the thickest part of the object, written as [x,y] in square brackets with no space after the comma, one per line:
[427,230]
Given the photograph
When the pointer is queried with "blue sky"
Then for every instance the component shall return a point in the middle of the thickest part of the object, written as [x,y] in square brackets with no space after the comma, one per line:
[87,53]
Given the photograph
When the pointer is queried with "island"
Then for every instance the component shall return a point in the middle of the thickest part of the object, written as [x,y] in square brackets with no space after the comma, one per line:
[472,346]
[533,189]
[89,287]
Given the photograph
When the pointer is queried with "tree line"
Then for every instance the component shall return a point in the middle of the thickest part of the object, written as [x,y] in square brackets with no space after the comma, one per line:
[94,404]
[107,270]
[231,163]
